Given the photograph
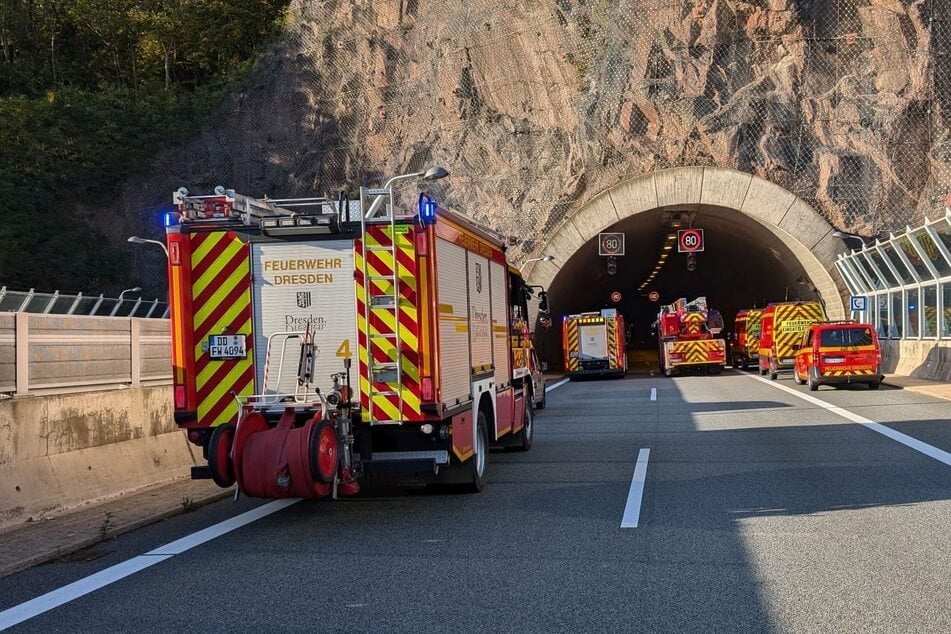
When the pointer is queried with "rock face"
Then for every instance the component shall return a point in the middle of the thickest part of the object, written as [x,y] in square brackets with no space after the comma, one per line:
[537,105]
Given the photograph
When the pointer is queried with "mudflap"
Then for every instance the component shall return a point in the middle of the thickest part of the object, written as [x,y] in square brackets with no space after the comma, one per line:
[276,462]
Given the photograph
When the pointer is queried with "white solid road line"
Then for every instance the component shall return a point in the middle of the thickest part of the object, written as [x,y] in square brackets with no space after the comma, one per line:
[632,510]
[653,393]
[34,607]
[556,385]
[932,452]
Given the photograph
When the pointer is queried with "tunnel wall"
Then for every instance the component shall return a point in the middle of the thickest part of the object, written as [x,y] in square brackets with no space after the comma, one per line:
[797,225]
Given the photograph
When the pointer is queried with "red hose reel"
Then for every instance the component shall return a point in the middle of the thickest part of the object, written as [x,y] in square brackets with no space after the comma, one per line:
[283,461]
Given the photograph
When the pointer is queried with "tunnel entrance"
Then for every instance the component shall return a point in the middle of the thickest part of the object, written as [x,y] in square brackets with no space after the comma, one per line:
[762,245]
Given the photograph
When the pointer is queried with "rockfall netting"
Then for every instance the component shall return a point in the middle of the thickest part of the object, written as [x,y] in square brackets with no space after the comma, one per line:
[536,106]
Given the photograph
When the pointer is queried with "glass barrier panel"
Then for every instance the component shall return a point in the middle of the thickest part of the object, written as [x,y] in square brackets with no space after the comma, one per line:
[877,280]
[930,249]
[908,249]
[929,307]
[882,308]
[890,279]
[946,310]
[943,231]
[856,286]
[913,304]
[895,317]
[906,276]
[862,273]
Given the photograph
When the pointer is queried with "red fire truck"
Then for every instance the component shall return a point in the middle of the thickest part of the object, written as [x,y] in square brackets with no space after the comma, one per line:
[687,334]
[271,299]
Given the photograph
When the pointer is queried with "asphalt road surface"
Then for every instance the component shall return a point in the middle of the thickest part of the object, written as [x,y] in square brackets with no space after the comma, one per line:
[759,511]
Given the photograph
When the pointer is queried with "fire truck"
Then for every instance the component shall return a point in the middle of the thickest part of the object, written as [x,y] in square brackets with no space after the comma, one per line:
[593,344]
[687,335]
[272,299]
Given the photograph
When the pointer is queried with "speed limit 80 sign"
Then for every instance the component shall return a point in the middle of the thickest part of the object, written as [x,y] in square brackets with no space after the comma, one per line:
[690,240]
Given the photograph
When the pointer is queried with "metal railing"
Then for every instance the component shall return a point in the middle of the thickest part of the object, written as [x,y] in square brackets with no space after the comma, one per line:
[56,303]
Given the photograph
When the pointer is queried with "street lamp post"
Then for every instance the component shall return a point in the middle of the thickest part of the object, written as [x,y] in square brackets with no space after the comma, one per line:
[138,240]
[432,174]
[115,309]
[544,258]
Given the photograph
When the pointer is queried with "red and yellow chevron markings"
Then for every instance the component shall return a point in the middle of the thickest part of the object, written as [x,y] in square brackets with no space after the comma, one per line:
[572,344]
[384,321]
[611,331]
[698,351]
[790,322]
[693,322]
[221,303]
[753,320]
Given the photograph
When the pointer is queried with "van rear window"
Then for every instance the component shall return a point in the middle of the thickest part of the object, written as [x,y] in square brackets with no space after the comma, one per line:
[832,337]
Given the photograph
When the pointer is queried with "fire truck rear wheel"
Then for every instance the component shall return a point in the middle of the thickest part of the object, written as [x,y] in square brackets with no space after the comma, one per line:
[479,462]
[219,455]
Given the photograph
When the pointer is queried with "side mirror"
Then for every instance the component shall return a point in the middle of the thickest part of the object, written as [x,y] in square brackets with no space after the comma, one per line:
[544,320]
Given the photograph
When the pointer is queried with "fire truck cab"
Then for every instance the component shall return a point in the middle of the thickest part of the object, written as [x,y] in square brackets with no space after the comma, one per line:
[319,341]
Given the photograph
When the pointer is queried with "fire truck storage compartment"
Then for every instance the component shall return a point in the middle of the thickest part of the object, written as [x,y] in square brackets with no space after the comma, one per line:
[303,287]
[453,307]
[498,281]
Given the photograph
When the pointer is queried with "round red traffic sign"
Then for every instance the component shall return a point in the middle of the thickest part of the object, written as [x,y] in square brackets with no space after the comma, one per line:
[616,296]
[653,296]
[690,240]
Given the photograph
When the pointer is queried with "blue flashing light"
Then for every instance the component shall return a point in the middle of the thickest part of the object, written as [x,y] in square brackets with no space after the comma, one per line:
[169,218]
[427,210]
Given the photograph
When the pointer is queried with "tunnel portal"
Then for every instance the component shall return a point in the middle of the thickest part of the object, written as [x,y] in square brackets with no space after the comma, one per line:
[764,247]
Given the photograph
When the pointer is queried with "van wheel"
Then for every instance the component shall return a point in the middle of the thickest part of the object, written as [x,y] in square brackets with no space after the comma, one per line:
[795,377]
[813,380]
[479,462]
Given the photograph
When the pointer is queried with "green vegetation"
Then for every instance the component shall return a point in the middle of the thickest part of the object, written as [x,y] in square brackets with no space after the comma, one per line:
[89,90]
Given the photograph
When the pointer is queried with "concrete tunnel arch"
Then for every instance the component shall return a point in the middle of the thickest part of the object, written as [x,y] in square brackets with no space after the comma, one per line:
[751,205]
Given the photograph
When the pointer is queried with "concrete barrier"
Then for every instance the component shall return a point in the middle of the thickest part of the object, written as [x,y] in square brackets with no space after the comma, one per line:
[61,451]
[921,359]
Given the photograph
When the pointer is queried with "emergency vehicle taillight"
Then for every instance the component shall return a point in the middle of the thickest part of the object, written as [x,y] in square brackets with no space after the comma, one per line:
[426,389]
[175,254]
[179,396]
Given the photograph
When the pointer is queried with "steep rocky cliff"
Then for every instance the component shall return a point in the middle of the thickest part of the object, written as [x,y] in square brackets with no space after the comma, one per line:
[535,106]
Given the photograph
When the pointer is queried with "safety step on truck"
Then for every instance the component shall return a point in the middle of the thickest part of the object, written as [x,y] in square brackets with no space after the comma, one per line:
[317,342]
